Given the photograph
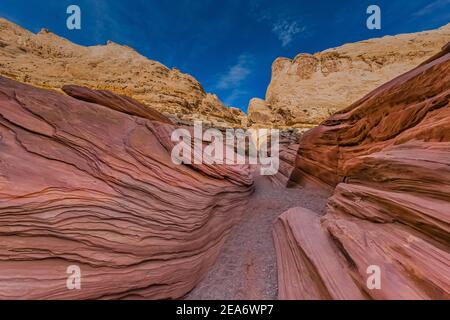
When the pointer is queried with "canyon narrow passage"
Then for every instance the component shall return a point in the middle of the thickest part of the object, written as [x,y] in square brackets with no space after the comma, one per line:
[246,267]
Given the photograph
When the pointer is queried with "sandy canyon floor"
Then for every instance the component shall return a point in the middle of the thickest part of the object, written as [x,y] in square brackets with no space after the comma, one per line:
[246,267]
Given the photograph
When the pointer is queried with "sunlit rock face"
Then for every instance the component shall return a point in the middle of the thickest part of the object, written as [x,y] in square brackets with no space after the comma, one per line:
[388,158]
[85,184]
[49,61]
[306,90]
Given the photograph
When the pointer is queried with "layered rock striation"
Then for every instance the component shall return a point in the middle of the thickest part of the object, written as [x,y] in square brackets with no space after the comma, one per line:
[92,185]
[49,61]
[306,90]
[388,158]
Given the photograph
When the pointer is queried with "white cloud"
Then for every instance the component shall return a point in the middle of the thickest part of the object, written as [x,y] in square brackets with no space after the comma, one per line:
[285,24]
[236,73]
[438,4]
[286,31]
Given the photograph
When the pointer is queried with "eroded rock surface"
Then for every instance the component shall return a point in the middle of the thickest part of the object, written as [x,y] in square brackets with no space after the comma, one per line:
[49,61]
[309,265]
[84,184]
[288,148]
[308,89]
[388,155]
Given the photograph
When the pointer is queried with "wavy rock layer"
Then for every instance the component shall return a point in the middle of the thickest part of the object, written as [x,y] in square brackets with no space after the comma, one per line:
[311,268]
[305,91]
[48,61]
[288,148]
[83,184]
[389,156]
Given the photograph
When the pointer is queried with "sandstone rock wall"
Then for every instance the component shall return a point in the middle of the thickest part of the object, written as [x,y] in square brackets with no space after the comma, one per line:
[49,61]
[85,184]
[388,155]
[288,148]
[309,267]
[306,90]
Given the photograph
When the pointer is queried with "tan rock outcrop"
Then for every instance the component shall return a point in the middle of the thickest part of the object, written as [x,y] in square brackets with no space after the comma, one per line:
[309,88]
[388,157]
[49,61]
[92,184]
[260,113]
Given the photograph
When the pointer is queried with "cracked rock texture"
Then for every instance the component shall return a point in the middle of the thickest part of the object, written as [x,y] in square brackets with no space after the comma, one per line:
[306,90]
[49,61]
[86,184]
[388,158]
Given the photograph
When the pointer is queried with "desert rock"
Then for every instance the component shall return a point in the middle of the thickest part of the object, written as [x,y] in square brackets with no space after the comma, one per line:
[49,61]
[309,265]
[309,88]
[88,185]
[388,158]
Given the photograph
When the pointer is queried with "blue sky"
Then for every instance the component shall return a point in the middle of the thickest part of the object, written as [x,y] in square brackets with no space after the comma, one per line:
[228,45]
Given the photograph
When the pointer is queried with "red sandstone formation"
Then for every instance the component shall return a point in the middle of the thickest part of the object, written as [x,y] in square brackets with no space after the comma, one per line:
[288,146]
[388,155]
[310,269]
[114,101]
[87,180]
[92,184]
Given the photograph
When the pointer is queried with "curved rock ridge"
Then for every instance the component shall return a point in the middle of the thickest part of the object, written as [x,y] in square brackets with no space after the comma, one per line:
[388,157]
[82,184]
[288,146]
[117,102]
[411,107]
[49,61]
[309,88]
[309,267]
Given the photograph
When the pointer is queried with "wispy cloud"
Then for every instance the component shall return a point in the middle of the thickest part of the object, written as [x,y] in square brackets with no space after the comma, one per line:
[285,25]
[235,94]
[430,8]
[236,73]
[232,81]
[286,31]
